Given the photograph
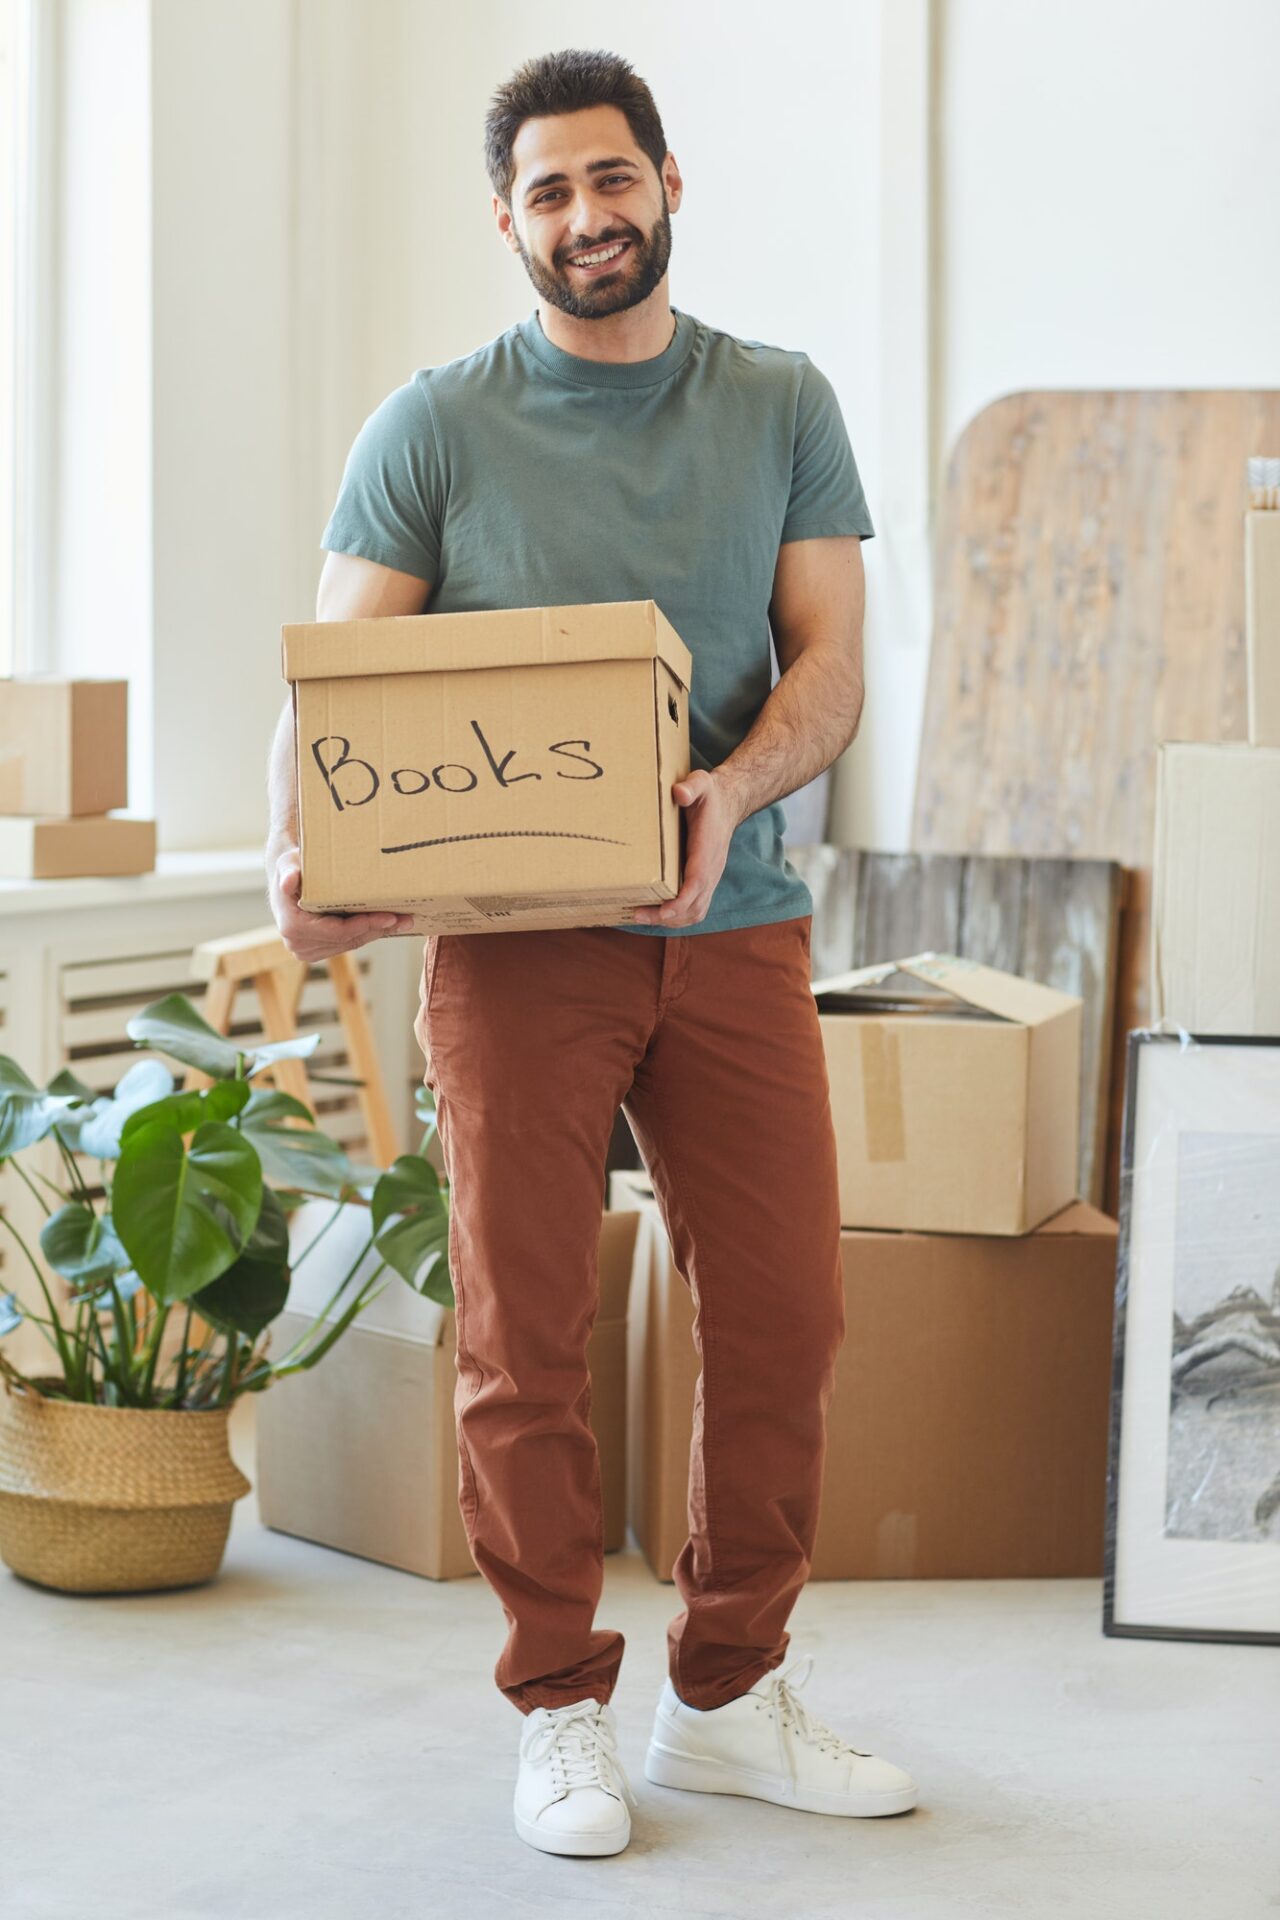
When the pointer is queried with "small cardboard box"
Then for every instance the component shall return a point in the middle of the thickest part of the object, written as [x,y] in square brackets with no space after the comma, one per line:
[955,1095]
[89,845]
[1262,624]
[491,771]
[360,1452]
[1215,897]
[967,1429]
[69,740]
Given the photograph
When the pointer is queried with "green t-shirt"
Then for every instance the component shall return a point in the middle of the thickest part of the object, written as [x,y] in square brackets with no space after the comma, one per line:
[523,476]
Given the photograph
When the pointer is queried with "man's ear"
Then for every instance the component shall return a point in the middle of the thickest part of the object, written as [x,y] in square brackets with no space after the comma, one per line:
[508,232]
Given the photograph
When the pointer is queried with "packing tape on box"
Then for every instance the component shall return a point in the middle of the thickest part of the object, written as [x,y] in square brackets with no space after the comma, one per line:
[882,1093]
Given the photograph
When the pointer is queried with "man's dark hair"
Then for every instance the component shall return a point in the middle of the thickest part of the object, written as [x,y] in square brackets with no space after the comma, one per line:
[566,83]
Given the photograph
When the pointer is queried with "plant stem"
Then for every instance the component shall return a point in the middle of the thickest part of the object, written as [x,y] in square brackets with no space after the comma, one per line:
[317,1237]
[229,1370]
[23,1175]
[68,1368]
[69,1161]
[153,1348]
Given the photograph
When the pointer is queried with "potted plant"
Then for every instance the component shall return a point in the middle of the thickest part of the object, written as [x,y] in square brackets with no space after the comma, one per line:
[115,1470]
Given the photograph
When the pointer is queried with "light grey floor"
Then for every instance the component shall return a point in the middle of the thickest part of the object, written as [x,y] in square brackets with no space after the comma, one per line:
[314,1734]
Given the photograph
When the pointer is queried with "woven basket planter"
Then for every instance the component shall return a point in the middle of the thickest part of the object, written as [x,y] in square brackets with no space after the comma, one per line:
[113,1499]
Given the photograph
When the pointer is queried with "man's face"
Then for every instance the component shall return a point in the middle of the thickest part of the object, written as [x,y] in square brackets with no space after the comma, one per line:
[583,186]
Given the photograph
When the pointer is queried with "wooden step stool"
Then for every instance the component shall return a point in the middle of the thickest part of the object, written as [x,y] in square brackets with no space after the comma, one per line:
[261,960]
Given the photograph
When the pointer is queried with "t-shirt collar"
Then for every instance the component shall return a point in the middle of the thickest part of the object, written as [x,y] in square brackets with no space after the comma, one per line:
[610,373]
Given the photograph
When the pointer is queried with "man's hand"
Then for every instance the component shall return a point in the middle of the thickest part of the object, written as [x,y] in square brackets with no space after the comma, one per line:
[710,818]
[314,936]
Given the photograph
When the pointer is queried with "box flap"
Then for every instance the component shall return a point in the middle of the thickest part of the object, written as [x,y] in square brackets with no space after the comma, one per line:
[887,989]
[1006,994]
[1080,1217]
[509,637]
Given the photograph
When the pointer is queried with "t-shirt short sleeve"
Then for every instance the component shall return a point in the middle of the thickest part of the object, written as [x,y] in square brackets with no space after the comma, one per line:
[390,505]
[826,496]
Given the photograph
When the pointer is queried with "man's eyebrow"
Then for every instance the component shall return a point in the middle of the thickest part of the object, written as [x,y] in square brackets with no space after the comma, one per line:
[593,166]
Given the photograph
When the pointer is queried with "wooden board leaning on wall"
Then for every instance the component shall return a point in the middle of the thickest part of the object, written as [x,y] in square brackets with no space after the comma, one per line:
[1088,603]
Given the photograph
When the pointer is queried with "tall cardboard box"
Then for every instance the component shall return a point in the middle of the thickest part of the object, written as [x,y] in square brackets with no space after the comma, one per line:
[967,1429]
[1262,624]
[1215,900]
[955,1095]
[63,745]
[360,1452]
[491,771]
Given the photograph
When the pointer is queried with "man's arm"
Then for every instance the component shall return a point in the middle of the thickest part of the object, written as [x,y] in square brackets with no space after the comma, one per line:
[807,722]
[350,589]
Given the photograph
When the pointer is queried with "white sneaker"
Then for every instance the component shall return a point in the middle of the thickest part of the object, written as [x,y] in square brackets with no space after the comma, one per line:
[571,1792]
[766,1745]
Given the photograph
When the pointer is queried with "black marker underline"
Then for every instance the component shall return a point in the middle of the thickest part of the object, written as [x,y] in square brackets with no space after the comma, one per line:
[513,833]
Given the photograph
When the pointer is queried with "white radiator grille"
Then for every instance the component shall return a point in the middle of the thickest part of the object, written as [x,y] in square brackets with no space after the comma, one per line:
[96,998]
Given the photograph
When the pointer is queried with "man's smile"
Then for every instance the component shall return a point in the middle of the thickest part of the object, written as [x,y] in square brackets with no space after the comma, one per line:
[599,259]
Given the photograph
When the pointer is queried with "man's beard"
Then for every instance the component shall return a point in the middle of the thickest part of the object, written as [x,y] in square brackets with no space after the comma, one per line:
[642,266]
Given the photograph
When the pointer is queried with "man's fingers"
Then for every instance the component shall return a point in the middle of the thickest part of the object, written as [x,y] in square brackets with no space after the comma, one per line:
[318,936]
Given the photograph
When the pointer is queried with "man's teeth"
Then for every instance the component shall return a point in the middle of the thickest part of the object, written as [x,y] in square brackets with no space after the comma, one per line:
[594,259]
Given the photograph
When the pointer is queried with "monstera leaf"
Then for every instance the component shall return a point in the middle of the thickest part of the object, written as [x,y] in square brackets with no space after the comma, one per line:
[185,1213]
[249,1295]
[411,1226]
[173,1026]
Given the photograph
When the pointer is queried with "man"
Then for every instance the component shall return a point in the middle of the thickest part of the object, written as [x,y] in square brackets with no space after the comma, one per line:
[612,447]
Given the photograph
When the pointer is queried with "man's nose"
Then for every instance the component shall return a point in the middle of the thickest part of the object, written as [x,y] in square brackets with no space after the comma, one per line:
[590,218]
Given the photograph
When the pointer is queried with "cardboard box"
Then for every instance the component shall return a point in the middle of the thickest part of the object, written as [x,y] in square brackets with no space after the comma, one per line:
[491,771]
[1215,898]
[360,1452]
[71,739]
[955,1095]
[1262,624]
[91,844]
[967,1430]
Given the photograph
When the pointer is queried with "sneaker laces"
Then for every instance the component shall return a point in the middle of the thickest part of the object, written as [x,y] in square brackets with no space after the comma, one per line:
[790,1712]
[581,1746]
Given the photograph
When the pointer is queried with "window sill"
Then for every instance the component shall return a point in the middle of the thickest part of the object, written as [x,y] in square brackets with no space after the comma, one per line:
[177,876]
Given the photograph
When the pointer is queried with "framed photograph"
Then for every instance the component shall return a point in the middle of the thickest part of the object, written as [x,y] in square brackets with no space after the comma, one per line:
[1193,1475]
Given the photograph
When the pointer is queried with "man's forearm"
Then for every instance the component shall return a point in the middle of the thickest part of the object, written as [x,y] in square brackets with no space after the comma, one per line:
[807,722]
[282,788]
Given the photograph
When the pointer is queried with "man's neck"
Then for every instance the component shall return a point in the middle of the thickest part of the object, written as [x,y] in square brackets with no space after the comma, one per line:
[639,333]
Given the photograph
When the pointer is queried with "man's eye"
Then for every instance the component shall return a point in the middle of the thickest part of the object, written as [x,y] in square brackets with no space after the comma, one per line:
[609,178]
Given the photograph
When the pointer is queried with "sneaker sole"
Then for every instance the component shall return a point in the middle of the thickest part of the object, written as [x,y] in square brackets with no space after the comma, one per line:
[548,1841]
[691,1773]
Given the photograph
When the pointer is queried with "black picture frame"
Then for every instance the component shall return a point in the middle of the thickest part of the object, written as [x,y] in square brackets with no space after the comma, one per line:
[1120,1617]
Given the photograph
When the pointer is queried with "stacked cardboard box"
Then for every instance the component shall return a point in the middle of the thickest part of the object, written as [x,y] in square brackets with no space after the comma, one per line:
[967,1433]
[955,1095]
[1215,920]
[360,1452]
[63,768]
[967,1430]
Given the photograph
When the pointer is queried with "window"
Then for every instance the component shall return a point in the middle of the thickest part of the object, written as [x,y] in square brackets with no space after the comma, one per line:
[18,32]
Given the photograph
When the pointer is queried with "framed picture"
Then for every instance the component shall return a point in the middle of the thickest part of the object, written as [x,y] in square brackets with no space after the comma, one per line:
[1193,1475]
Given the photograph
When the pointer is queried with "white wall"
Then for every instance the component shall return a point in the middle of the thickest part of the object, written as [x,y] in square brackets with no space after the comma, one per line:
[1081,196]
[777,138]
[1109,203]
